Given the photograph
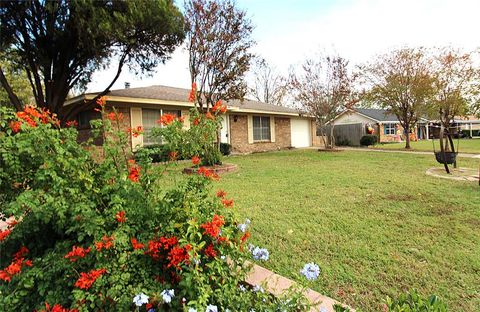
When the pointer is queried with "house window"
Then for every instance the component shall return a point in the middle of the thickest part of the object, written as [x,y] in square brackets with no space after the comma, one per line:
[85,117]
[389,128]
[149,119]
[261,128]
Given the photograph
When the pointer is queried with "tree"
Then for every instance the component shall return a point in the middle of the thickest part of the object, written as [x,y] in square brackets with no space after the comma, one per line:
[218,42]
[61,43]
[401,82]
[324,87]
[18,82]
[268,86]
[456,91]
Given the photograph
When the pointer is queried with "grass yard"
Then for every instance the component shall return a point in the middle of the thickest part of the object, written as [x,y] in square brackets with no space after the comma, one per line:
[374,222]
[466,145]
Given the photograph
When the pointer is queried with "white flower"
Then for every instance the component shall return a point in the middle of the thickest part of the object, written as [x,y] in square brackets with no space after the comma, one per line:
[247,221]
[260,254]
[242,288]
[140,299]
[311,271]
[211,308]
[242,227]
[167,295]
[258,288]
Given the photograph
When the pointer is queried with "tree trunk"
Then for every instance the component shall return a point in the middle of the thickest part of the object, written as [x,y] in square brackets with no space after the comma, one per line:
[452,148]
[332,137]
[407,137]
[442,147]
[11,95]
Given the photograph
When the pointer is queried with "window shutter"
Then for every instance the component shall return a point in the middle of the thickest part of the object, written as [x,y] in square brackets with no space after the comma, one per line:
[186,122]
[250,129]
[135,121]
[272,129]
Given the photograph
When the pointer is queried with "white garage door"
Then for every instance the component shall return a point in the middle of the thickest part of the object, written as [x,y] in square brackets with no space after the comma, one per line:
[300,130]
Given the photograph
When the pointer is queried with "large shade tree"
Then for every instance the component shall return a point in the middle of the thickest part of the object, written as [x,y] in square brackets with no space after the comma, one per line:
[456,91]
[401,82]
[18,82]
[268,85]
[60,44]
[324,87]
[218,41]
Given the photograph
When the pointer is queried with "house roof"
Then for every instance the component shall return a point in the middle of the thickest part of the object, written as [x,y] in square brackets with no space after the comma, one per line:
[381,115]
[172,94]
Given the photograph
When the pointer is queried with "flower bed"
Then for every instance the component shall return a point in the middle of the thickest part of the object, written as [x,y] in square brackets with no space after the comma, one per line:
[217,169]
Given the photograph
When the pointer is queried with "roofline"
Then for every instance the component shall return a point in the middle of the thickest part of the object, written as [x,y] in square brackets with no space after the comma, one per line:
[232,109]
[354,111]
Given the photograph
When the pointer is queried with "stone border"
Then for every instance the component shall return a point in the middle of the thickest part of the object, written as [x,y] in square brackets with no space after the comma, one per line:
[435,172]
[218,169]
[277,285]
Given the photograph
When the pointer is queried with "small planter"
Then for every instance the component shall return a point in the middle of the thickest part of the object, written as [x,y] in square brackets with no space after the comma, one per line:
[446,158]
[218,169]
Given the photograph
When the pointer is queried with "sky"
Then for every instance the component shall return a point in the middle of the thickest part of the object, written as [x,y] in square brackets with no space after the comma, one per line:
[288,31]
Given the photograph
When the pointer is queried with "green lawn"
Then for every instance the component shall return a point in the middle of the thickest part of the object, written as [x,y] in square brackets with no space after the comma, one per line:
[465,145]
[374,222]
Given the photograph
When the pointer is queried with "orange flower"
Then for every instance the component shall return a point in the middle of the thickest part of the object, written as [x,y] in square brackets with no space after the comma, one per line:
[245,237]
[114,116]
[134,173]
[195,160]
[196,121]
[193,93]
[173,155]
[4,234]
[227,202]
[209,115]
[77,253]
[105,243]
[136,245]
[136,131]
[221,193]
[207,173]
[166,119]
[223,109]
[181,119]
[15,126]
[102,101]
[71,123]
[120,217]
[15,266]
[213,228]
[86,280]
[217,106]
[210,251]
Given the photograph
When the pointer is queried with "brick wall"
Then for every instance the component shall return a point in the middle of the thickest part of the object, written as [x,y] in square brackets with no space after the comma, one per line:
[239,136]
[384,138]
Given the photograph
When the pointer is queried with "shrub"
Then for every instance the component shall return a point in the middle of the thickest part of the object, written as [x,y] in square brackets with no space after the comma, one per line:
[155,153]
[199,140]
[225,149]
[413,302]
[342,141]
[105,236]
[368,140]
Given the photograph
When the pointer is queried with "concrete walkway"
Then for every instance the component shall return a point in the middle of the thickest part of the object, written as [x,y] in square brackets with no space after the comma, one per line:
[277,285]
[364,149]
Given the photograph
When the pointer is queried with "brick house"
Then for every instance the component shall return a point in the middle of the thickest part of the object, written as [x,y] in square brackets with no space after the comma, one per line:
[249,126]
[386,125]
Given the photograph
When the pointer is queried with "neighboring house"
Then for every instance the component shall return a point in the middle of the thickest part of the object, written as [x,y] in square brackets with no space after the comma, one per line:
[249,126]
[352,124]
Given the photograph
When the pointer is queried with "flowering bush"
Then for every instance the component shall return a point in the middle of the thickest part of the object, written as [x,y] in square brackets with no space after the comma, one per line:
[86,235]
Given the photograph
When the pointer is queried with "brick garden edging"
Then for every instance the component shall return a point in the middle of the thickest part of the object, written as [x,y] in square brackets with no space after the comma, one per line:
[277,284]
[218,169]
